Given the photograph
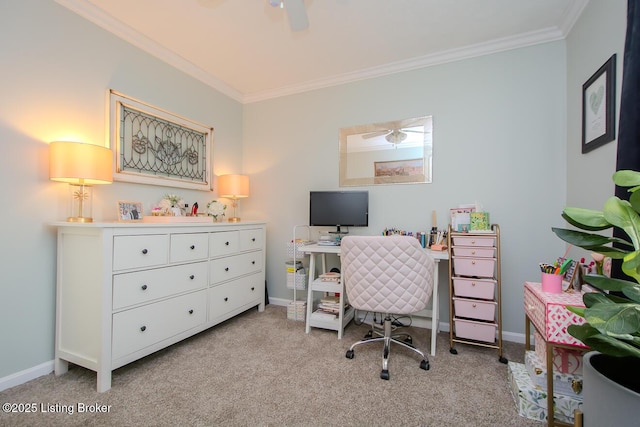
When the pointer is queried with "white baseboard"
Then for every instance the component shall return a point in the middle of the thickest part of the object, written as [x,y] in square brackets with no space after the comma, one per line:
[27,375]
[425,322]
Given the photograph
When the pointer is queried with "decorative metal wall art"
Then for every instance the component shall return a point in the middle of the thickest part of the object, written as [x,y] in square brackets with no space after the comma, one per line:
[153,146]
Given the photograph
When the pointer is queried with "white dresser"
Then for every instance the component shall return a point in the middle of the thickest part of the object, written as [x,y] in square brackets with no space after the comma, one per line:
[125,290]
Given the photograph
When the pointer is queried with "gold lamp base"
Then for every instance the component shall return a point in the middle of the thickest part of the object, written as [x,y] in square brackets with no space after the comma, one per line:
[79,219]
[234,219]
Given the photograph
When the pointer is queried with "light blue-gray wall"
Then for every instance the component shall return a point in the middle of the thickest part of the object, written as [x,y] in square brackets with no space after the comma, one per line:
[499,129]
[56,71]
[506,134]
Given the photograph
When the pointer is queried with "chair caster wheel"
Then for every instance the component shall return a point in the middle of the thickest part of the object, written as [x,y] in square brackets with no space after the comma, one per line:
[503,359]
[453,351]
[349,354]
[368,335]
[408,340]
[384,374]
[424,365]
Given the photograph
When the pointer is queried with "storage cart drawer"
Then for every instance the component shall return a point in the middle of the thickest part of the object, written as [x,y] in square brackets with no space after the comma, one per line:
[475,309]
[473,251]
[474,241]
[474,330]
[474,288]
[474,267]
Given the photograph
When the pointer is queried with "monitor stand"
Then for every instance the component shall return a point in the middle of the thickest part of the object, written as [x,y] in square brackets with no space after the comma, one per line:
[338,232]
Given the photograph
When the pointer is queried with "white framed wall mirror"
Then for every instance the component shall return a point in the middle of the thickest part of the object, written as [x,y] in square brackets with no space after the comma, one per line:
[396,152]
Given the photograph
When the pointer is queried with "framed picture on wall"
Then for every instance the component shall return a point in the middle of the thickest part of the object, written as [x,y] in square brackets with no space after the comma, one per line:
[598,107]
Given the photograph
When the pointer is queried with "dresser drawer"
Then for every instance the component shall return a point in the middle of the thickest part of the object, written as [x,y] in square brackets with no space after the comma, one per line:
[224,243]
[549,313]
[140,251]
[135,329]
[474,267]
[475,309]
[144,286]
[474,251]
[235,294]
[251,239]
[189,247]
[227,268]
[474,288]
[483,241]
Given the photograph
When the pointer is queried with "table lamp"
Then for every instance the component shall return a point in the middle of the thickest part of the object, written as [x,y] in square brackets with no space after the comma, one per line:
[233,187]
[81,166]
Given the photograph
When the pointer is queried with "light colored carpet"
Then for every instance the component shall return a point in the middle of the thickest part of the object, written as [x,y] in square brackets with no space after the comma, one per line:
[260,369]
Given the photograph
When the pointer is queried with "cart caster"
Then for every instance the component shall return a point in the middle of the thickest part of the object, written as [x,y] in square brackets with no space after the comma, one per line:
[408,340]
[424,365]
[368,335]
[384,374]
[502,359]
[349,354]
[453,351]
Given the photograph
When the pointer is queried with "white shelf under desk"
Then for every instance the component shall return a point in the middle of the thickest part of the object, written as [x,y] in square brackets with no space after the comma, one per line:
[338,324]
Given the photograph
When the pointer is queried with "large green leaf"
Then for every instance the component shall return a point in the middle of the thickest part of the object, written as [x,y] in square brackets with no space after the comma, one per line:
[631,265]
[621,214]
[602,343]
[614,318]
[585,219]
[590,241]
[592,298]
[608,283]
[626,178]
[634,199]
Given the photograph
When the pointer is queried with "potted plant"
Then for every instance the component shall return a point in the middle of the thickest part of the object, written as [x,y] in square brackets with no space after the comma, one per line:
[612,320]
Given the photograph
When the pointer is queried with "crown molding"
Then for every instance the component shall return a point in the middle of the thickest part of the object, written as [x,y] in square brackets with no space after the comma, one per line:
[88,11]
[453,55]
[97,16]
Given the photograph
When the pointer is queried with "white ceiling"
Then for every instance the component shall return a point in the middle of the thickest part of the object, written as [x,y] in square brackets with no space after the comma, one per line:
[245,48]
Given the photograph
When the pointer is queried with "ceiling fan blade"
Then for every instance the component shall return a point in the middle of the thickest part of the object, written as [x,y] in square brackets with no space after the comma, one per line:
[297,14]
[377,133]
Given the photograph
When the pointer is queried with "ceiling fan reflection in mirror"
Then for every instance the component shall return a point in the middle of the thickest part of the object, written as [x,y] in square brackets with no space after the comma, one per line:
[295,9]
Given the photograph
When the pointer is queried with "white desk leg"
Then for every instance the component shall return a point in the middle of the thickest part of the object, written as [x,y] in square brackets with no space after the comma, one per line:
[312,273]
[434,308]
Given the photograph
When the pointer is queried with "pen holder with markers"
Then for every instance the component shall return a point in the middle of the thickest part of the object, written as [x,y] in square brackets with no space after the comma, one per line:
[552,283]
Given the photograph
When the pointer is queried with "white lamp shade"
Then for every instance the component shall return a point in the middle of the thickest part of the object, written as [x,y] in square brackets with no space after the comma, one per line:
[78,163]
[233,186]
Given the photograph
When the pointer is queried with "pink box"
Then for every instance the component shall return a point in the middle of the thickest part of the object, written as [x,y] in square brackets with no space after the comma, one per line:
[474,288]
[474,267]
[549,313]
[565,361]
[470,329]
[474,309]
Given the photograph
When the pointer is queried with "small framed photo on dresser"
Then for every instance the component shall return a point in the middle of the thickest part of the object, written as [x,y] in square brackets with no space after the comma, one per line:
[129,211]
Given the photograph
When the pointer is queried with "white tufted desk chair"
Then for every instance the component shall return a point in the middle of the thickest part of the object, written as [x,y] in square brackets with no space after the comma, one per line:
[389,275]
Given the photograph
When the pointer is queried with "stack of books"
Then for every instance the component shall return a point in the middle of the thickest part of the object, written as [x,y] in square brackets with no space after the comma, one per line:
[330,277]
[329,307]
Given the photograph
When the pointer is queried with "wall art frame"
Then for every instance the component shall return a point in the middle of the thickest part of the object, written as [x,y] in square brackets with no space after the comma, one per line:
[129,211]
[397,168]
[598,107]
[154,146]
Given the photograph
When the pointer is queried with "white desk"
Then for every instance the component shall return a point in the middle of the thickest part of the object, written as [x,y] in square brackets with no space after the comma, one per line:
[315,249]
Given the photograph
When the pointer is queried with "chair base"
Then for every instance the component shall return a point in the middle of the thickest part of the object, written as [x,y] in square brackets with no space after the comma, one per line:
[387,339]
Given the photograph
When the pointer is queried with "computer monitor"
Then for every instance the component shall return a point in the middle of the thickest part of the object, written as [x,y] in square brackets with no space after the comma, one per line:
[339,209]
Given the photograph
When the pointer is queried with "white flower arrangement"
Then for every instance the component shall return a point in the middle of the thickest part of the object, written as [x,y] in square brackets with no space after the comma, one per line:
[216,209]
[170,201]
